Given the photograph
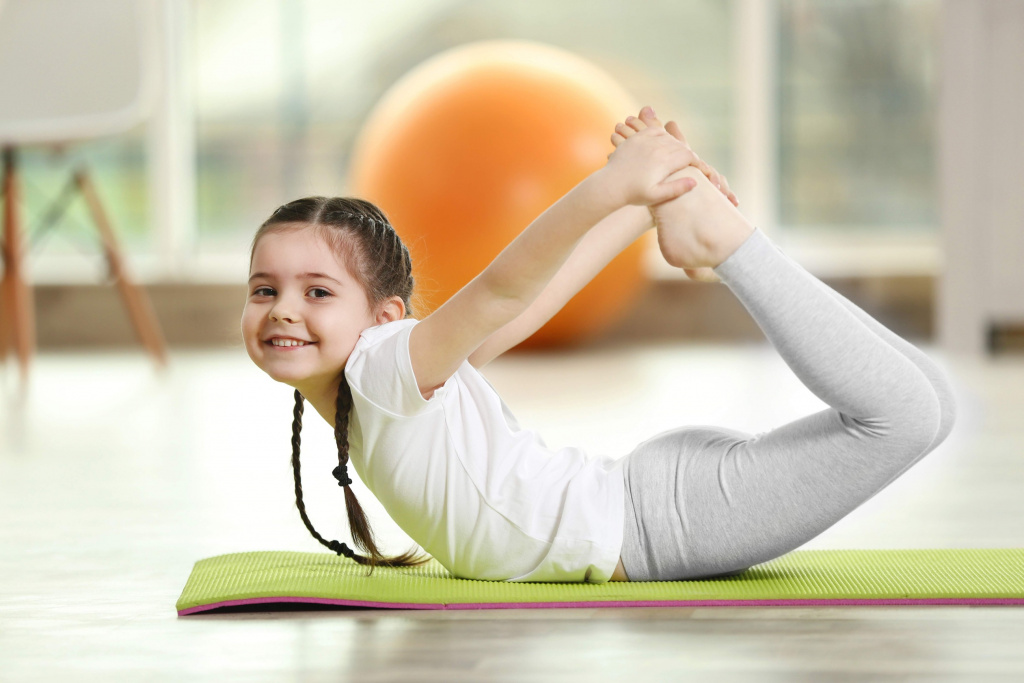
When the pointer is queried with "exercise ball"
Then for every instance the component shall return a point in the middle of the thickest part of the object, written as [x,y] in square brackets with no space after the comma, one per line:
[467,148]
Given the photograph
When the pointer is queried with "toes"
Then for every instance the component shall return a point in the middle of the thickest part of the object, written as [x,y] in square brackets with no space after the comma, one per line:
[623,130]
[704,274]
[635,124]
[649,118]
[617,139]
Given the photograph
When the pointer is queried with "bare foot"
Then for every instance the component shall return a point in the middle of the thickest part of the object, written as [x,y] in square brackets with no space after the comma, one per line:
[702,232]
[699,233]
[647,119]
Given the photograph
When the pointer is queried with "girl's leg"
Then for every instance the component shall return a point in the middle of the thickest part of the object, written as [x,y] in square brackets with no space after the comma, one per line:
[734,500]
[938,380]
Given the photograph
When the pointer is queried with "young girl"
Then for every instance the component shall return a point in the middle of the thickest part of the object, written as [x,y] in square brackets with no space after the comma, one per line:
[328,313]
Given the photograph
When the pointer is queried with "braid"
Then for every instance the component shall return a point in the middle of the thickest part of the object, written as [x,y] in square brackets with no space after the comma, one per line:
[337,547]
[397,250]
[362,535]
[342,409]
[363,219]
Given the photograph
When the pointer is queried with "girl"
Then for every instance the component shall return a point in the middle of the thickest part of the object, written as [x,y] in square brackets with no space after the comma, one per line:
[328,313]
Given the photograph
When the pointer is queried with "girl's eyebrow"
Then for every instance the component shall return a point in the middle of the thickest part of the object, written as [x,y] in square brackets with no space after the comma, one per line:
[300,276]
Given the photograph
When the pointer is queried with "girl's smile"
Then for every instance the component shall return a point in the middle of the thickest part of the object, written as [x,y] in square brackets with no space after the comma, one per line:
[288,343]
[305,310]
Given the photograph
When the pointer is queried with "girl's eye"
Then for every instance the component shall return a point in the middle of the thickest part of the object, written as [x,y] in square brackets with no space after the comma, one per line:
[320,289]
[256,292]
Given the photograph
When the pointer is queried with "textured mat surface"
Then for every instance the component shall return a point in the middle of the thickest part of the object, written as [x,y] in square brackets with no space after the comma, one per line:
[801,578]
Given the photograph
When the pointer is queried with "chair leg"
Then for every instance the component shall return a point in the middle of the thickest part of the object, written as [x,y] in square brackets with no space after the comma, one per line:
[140,309]
[17,320]
[6,322]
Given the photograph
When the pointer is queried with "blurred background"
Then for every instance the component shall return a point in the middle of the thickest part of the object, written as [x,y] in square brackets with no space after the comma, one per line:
[823,114]
[878,142]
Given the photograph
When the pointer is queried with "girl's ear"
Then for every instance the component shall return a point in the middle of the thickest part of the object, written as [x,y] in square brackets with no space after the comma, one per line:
[391,310]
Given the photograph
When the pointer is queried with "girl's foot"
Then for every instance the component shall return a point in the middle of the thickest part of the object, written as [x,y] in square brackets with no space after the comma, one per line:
[647,119]
[700,229]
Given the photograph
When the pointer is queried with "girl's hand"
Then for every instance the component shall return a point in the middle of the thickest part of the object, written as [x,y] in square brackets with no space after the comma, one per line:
[648,119]
[716,178]
[636,171]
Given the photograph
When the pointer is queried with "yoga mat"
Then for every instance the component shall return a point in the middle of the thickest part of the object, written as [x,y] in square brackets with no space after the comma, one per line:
[825,578]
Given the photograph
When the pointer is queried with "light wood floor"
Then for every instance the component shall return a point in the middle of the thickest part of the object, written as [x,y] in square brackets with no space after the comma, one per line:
[114,480]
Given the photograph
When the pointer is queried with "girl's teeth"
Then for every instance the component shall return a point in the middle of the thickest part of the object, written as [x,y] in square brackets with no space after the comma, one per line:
[288,342]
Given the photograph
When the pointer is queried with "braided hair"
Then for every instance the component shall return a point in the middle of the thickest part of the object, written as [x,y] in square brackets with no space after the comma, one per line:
[362,236]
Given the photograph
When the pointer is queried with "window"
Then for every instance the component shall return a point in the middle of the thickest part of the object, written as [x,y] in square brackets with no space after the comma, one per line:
[857,110]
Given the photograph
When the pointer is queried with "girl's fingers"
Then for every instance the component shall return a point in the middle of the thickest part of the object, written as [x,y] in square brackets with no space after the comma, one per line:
[714,176]
[703,167]
[724,187]
[671,189]
[729,193]
[673,129]
[717,179]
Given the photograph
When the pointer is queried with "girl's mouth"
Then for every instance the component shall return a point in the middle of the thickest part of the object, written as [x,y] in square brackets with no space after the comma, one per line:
[287,344]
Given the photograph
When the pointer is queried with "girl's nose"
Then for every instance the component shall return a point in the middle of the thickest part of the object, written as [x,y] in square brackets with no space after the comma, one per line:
[282,310]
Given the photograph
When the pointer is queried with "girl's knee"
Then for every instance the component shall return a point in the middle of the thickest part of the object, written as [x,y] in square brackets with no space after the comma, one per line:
[947,407]
[912,428]
[918,426]
[934,414]
[943,390]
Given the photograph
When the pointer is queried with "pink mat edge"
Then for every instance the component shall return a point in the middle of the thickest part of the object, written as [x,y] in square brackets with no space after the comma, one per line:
[840,602]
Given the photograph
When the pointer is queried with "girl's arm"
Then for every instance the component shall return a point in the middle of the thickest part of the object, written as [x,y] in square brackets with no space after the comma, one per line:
[636,173]
[593,252]
[505,289]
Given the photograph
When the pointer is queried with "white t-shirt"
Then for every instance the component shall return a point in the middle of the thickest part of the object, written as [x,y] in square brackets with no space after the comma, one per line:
[487,499]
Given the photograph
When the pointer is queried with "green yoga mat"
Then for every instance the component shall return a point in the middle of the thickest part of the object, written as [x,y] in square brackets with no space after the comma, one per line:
[801,578]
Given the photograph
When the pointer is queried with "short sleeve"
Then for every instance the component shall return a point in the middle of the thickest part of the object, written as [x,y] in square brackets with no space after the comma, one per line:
[380,369]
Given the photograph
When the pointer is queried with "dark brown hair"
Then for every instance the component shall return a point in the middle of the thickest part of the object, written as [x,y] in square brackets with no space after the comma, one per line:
[361,235]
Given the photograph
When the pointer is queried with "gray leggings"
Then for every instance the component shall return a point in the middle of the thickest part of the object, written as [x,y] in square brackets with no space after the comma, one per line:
[707,501]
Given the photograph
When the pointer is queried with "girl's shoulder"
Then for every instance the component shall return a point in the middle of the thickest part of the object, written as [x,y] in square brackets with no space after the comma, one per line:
[379,344]
[378,333]
[380,370]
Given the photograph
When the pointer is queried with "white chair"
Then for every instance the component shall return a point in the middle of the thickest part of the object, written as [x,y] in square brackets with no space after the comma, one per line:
[71,70]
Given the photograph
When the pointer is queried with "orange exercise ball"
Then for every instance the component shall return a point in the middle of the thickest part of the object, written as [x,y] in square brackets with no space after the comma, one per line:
[465,150]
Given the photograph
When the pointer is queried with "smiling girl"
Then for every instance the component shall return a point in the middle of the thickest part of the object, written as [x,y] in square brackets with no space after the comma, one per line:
[328,313]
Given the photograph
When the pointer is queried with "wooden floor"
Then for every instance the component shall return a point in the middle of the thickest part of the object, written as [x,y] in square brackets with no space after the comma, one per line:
[115,479]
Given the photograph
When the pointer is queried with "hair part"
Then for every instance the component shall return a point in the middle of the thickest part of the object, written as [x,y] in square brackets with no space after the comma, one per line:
[361,236]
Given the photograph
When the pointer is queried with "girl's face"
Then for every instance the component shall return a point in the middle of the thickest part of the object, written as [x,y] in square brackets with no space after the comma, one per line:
[301,292]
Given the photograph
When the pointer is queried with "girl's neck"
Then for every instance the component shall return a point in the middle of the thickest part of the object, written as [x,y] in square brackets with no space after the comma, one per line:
[323,398]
